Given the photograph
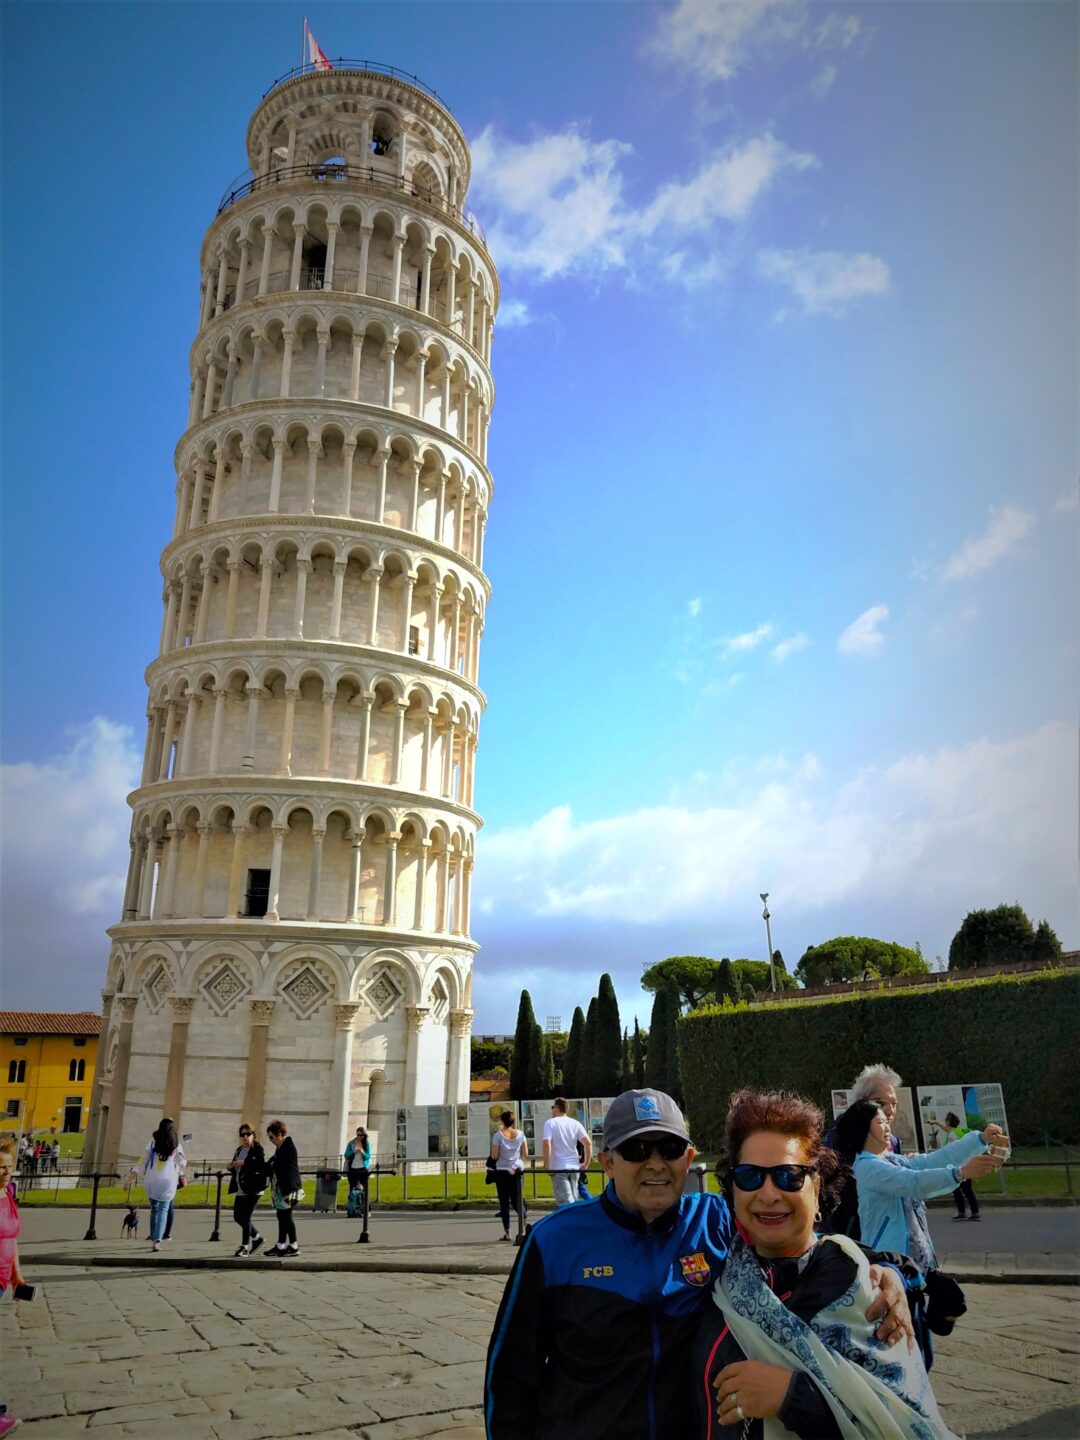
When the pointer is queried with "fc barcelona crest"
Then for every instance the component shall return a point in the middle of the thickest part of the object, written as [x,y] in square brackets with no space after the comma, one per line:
[695,1269]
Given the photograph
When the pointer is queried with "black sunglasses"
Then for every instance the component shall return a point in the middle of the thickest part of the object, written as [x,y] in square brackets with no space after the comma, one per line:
[784,1177]
[640,1147]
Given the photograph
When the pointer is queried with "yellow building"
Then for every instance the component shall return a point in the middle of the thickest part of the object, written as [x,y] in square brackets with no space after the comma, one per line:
[47,1060]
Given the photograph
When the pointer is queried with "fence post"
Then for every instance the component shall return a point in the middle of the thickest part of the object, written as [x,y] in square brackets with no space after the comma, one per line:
[446,1180]
[364,1209]
[217,1211]
[91,1233]
[404,1179]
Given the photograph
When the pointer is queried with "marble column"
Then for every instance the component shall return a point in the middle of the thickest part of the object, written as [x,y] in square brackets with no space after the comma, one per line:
[178,1045]
[340,1078]
[262,1012]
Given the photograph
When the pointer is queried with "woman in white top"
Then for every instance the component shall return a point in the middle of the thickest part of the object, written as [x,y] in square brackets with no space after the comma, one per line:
[160,1169]
[509,1150]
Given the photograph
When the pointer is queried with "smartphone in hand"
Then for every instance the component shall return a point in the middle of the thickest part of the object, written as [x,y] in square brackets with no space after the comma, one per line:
[24,1292]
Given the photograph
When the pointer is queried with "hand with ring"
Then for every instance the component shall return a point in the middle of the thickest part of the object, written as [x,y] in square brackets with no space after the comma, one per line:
[750,1390]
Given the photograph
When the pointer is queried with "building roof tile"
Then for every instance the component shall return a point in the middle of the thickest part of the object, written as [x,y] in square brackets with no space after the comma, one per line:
[49,1022]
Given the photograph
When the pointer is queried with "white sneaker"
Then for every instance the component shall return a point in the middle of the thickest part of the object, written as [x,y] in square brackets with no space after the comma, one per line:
[156,1245]
[243,1250]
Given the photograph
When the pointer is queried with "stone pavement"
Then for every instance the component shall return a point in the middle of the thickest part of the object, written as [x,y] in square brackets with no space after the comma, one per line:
[266,1352]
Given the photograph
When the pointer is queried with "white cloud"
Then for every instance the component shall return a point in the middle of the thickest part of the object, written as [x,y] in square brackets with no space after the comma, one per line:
[58,902]
[1068,503]
[725,189]
[513,314]
[694,607]
[788,647]
[1006,529]
[825,281]
[863,636]
[556,205]
[823,81]
[748,640]
[971,824]
[715,39]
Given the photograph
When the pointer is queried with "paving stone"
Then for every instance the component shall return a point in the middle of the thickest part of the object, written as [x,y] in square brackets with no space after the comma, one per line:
[148,1416]
[467,1426]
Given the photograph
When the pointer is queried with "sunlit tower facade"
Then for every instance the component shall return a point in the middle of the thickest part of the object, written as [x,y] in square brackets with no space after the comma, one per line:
[295,932]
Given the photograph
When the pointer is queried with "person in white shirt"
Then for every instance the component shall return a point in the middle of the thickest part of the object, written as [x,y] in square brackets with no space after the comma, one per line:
[562,1135]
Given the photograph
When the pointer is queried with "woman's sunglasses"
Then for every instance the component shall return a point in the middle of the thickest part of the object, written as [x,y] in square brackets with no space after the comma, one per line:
[638,1149]
[245,1132]
[784,1177]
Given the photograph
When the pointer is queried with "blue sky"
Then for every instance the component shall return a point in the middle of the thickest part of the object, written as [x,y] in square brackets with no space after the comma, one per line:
[784,539]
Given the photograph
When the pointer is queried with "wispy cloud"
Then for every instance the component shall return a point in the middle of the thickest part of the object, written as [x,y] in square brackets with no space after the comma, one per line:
[863,636]
[715,39]
[1006,528]
[948,822]
[748,640]
[557,204]
[1068,503]
[788,647]
[513,314]
[825,282]
[694,607]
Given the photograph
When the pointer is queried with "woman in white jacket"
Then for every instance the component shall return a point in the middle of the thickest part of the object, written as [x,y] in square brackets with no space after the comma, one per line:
[160,1170]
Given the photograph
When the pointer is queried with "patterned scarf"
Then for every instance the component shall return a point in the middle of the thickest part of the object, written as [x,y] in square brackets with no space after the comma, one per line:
[875,1393]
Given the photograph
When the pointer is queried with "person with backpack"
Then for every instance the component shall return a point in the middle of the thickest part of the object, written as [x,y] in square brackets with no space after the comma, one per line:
[161,1169]
[357,1167]
[246,1184]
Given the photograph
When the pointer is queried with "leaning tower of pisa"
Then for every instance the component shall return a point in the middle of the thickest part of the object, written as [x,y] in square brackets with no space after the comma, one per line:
[295,932]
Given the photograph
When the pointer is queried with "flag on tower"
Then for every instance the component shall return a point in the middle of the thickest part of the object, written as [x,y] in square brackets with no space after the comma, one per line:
[315,54]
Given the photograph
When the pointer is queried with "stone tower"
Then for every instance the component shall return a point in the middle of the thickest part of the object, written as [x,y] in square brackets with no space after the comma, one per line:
[295,936]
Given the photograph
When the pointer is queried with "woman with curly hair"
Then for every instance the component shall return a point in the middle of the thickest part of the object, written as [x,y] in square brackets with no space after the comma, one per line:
[786,1349]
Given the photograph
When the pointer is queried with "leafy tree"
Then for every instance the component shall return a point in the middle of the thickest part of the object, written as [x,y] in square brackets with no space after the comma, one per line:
[488,1055]
[857,957]
[992,937]
[671,1026]
[637,1054]
[608,1040]
[692,975]
[1046,945]
[572,1064]
[754,976]
[522,1067]
[656,1055]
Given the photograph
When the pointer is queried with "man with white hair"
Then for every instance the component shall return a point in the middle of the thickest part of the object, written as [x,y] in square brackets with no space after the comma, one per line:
[878,1083]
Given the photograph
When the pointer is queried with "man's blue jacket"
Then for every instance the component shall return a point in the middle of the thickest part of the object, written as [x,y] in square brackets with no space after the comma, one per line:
[595,1325]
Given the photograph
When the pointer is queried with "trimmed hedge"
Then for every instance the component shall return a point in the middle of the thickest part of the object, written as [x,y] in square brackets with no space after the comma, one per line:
[1020,1030]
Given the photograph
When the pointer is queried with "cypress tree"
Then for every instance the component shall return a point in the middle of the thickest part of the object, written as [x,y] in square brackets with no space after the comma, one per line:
[608,1040]
[637,1058]
[626,1070]
[656,1055]
[671,1027]
[523,1040]
[587,1070]
[534,1080]
[727,982]
[571,1083]
[547,1069]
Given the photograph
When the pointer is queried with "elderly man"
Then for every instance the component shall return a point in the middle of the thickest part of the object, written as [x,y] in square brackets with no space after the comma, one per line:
[595,1324]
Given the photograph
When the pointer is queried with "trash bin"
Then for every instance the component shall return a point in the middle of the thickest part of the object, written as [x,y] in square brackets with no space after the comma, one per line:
[695,1180]
[326,1188]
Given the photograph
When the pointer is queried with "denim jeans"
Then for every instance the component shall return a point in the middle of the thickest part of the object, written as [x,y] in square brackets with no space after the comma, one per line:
[564,1188]
[159,1213]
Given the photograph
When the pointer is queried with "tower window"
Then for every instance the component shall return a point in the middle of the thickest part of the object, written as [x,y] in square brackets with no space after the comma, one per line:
[414,640]
[258,892]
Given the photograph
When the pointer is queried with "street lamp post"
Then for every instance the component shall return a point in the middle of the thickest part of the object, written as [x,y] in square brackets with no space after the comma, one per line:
[768,938]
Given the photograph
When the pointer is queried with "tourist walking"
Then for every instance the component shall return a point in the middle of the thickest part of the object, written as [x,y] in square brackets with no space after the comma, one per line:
[246,1184]
[509,1150]
[286,1189]
[160,1171]
[562,1135]
[10,1226]
[357,1170]
[964,1194]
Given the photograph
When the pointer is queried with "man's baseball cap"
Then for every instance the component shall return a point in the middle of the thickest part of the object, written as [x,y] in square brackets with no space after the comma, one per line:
[642,1112]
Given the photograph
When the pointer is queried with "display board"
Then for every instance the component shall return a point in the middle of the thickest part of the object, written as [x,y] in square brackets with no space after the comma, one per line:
[476,1126]
[598,1108]
[535,1112]
[425,1132]
[976,1106]
[903,1125]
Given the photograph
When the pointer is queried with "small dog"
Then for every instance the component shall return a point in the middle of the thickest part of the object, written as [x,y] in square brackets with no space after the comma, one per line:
[130,1228]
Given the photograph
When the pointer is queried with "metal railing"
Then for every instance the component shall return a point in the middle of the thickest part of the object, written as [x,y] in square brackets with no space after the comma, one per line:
[373,67]
[337,172]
